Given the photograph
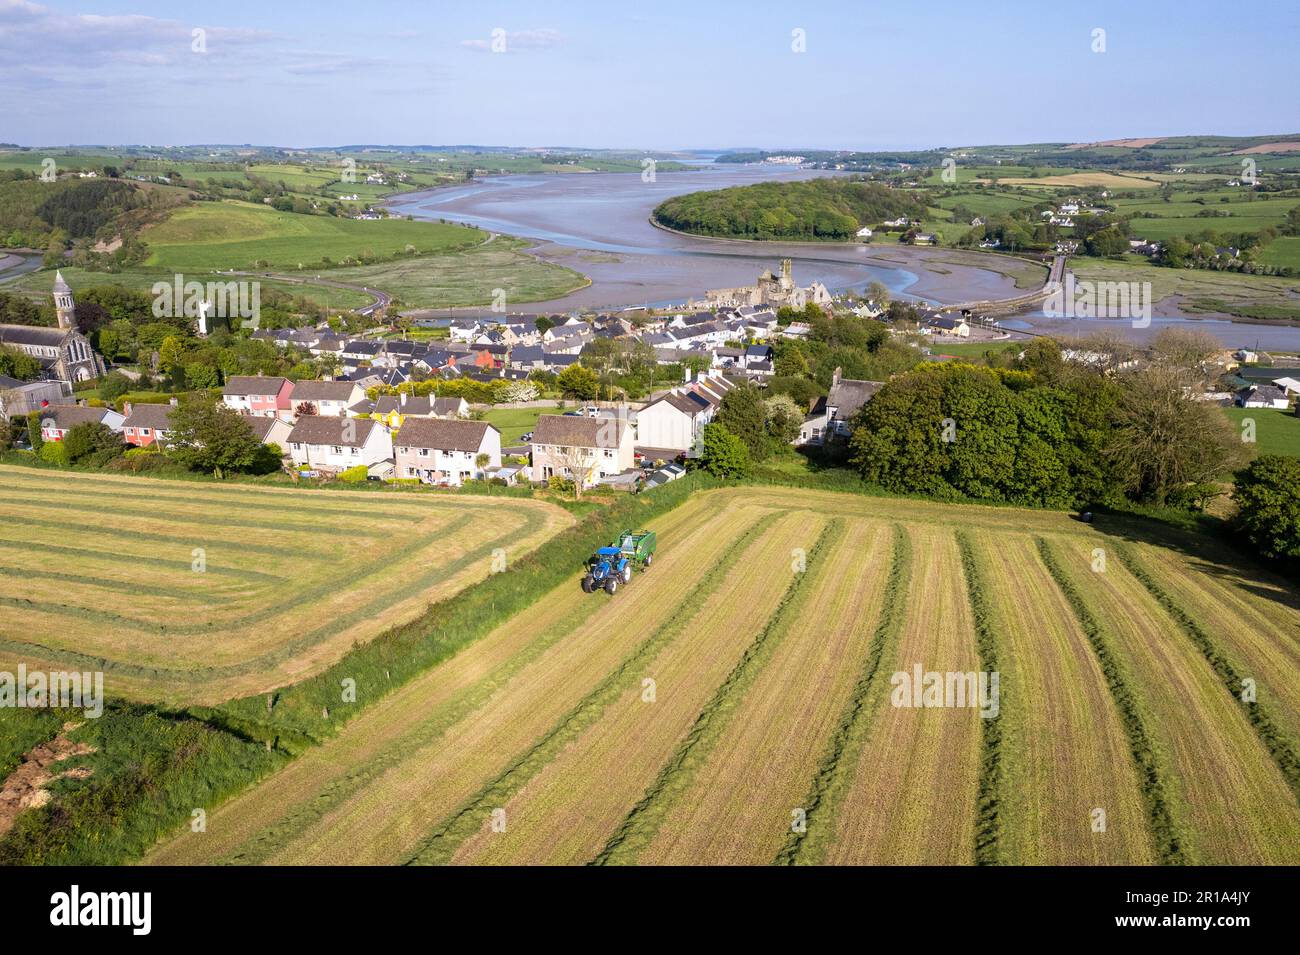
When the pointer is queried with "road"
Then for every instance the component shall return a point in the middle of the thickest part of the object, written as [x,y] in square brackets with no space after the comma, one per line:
[381,300]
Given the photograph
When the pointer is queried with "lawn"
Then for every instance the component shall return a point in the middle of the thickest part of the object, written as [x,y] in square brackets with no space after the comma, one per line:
[513,422]
[1277,431]
[199,592]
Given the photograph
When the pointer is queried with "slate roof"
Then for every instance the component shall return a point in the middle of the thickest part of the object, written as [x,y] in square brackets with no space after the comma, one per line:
[253,385]
[157,417]
[33,335]
[323,390]
[320,429]
[442,434]
[577,431]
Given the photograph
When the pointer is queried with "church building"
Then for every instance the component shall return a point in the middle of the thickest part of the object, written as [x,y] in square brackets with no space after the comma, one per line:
[64,353]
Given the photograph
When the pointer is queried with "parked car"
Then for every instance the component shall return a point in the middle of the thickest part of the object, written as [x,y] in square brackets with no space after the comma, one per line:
[526,437]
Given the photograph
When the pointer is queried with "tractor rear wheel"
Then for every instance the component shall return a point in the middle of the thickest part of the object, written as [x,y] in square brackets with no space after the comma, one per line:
[588,584]
[611,585]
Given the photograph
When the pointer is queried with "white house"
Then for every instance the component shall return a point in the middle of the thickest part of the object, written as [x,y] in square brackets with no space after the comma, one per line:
[576,446]
[1263,396]
[335,444]
[673,422]
[864,233]
[329,399]
[58,420]
[446,450]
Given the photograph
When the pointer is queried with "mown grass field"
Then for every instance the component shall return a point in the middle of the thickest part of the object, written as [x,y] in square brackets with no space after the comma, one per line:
[193,592]
[235,235]
[736,704]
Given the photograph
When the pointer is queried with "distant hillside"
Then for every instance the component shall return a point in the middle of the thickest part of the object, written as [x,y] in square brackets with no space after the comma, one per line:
[818,209]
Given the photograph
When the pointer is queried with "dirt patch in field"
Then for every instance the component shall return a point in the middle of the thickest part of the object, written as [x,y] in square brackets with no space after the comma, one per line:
[25,787]
[1127,143]
[1289,146]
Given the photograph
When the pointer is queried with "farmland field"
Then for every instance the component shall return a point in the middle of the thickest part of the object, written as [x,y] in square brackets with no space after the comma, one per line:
[736,703]
[194,592]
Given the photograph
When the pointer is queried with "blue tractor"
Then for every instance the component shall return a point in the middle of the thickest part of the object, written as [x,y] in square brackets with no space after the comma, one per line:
[611,566]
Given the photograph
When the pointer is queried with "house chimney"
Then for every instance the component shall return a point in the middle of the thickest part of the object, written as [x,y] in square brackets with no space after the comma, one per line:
[126,408]
[835,377]
[402,399]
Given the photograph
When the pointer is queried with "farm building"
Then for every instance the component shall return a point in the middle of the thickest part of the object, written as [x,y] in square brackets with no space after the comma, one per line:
[20,398]
[445,450]
[327,443]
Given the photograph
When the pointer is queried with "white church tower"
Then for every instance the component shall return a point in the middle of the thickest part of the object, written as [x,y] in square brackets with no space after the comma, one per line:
[63,305]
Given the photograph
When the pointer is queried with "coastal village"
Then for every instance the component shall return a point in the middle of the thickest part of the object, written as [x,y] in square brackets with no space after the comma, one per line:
[367,420]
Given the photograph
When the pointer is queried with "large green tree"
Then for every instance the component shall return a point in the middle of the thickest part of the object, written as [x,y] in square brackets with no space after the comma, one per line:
[1268,505]
[208,436]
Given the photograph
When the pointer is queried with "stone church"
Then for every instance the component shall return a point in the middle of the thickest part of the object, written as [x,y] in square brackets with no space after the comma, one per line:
[64,353]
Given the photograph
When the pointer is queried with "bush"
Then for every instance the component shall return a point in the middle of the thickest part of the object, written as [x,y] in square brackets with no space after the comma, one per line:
[355,475]
[1268,501]
[54,452]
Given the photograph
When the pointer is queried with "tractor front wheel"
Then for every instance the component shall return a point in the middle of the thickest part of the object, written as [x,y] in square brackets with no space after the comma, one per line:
[627,574]
[588,584]
[611,585]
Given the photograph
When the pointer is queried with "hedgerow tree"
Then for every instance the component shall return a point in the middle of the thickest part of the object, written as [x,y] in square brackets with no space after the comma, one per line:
[1268,502]
[723,454]
[742,413]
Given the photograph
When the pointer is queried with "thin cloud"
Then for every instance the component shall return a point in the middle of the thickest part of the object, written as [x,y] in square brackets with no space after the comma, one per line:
[540,39]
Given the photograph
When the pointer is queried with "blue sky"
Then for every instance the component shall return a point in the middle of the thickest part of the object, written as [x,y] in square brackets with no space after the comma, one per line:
[643,75]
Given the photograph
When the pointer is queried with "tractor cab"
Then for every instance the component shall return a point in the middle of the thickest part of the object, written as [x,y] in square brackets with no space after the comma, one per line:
[611,566]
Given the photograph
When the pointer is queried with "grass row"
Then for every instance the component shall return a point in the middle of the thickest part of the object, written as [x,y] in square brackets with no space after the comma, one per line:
[440,845]
[649,813]
[136,795]
[1273,738]
[1168,845]
[850,733]
[987,823]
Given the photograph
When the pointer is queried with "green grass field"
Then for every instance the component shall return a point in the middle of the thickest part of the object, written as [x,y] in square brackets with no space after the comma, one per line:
[1200,288]
[289,579]
[1277,431]
[1109,697]
[235,235]
[467,277]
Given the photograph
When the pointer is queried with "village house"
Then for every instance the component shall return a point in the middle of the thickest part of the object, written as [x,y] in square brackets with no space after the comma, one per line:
[1263,396]
[64,353]
[672,423]
[270,430]
[579,447]
[58,420]
[830,415]
[333,444]
[259,395]
[446,450]
[326,398]
[147,424]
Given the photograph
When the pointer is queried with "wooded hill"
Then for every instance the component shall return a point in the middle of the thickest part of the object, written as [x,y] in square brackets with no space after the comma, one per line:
[817,209]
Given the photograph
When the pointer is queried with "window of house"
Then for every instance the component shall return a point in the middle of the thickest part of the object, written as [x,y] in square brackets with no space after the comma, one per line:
[424,452]
[336,449]
[144,432]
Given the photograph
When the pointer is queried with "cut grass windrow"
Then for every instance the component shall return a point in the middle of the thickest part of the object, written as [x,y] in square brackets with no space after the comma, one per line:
[439,845]
[846,741]
[646,817]
[1270,735]
[990,775]
[1168,844]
